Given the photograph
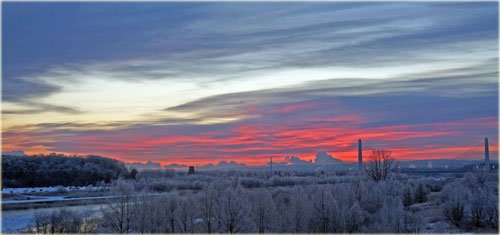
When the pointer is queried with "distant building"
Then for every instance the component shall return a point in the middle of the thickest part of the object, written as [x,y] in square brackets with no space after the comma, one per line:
[14,153]
[191,170]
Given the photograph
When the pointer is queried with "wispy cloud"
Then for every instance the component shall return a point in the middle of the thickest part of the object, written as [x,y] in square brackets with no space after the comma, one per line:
[38,108]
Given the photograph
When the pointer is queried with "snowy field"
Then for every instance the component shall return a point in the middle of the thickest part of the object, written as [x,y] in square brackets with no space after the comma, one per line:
[48,189]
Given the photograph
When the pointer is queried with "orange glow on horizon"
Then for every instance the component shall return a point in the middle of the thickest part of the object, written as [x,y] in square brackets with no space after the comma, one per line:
[254,144]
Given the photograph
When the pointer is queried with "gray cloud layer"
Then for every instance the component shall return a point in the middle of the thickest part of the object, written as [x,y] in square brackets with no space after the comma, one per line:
[221,42]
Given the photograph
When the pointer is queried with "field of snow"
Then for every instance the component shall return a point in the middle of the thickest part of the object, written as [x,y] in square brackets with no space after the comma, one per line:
[48,189]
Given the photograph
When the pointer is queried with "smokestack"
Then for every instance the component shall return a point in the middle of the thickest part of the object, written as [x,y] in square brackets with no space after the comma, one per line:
[360,156]
[271,165]
[486,155]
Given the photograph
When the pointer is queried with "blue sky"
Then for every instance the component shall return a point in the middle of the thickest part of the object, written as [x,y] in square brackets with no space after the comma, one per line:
[161,72]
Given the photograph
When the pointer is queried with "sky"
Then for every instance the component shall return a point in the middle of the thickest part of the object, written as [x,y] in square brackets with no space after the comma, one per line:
[197,83]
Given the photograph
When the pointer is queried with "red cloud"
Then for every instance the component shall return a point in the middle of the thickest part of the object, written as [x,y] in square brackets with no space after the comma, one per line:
[254,143]
[293,107]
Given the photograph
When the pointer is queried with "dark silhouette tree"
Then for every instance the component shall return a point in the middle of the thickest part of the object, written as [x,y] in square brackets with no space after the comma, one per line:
[58,169]
[133,173]
[380,164]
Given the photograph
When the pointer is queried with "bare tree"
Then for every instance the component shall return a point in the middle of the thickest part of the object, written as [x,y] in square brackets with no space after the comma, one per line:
[380,164]
[141,219]
[284,206]
[42,223]
[89,223]
[117,214]
[234,210]
[492,210]
[64,221]
[208,208]
[158,222]
[186,214]
[390,218]
[263,210]
[323,206]
[300,209]
[170,206]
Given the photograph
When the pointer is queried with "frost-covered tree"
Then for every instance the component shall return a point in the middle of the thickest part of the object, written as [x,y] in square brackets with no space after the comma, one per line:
[491,207]
[421,192]
[323,209]
[412,222]
[391,216]
[484,209]
[208,208]
[354,218]
[219,202]
[356,189]
[374,200]
[186,214]
[408,195]
[141,222]
[64,221]
[234,210]
[263,210]
[158,222]
[118,213]
[284,208]
[59,169]
[455,197]
[300,210]
[170,205]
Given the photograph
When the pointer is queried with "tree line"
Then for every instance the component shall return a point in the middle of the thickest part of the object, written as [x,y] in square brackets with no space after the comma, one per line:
[59,169]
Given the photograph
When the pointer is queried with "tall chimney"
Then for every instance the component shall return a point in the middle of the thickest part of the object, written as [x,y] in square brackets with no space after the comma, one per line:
[271,165]
[486,155]
[360,156]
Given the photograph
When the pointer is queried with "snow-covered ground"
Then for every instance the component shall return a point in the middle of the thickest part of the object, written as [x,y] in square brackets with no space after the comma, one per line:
[52,199]
[49,189]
